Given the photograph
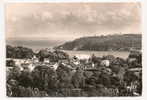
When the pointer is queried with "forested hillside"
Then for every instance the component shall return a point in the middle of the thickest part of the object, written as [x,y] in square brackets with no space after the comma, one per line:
[105,43]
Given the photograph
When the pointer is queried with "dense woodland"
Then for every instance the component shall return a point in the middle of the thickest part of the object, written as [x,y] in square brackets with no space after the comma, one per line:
[19,52]
[105,43]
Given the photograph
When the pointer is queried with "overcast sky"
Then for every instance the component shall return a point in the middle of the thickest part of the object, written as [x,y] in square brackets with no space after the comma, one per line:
[70,20]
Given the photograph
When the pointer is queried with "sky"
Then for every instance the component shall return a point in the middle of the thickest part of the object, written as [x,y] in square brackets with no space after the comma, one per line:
[67,21]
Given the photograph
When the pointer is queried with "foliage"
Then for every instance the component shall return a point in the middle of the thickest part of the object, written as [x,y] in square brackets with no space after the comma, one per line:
[53,56]
[105,43]
[66,81]
[18,52]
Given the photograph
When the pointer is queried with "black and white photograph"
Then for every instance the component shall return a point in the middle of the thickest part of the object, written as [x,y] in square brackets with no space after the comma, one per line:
[79,49]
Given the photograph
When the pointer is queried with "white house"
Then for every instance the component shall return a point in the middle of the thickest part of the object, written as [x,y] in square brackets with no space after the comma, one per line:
[82,56]
[105,63]
[46,60]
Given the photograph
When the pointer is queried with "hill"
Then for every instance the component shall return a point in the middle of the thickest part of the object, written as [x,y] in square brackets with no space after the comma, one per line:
[104,43]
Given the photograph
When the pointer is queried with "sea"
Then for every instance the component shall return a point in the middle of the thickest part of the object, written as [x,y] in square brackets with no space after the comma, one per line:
[121,54]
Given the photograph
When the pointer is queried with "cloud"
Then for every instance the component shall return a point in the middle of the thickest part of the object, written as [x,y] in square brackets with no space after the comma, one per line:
[71,20]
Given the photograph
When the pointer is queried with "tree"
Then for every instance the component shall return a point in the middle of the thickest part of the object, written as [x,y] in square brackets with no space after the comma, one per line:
[18,52]
[25,79]
[78,78]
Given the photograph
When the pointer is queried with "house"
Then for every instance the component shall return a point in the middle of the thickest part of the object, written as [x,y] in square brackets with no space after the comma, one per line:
[30,66]
[18,62]
[105,63]
[64,61]
[82,56]
[35,59]
[135,69]
[54,65]
[46,60]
